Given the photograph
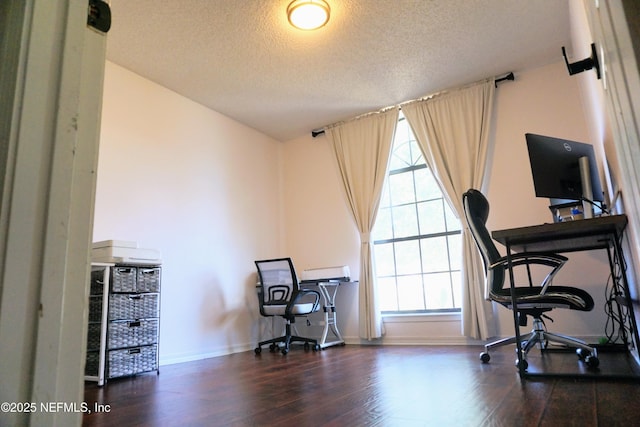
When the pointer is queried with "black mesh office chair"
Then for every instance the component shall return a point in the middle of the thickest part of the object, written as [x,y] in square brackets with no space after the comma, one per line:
[279,294]
[532,300]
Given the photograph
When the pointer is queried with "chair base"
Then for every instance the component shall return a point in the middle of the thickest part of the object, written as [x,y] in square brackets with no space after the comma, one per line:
[539,336]
[286,340]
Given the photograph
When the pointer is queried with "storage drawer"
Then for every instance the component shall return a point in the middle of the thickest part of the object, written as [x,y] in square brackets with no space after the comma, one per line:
[95,308]
[93,336]
[123,279]
[133,306]
[92,367]
[132,333]
[131,361]
[97,282]
[148,279]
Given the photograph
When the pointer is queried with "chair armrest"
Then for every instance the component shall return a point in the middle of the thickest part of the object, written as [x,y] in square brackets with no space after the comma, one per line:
[545,258]
[549,259]
[302,293]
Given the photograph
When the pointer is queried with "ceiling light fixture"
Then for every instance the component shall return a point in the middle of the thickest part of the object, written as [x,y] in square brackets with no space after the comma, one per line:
[308,14]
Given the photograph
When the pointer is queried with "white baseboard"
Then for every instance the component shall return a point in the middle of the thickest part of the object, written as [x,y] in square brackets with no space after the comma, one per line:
[414,341]
[411,340]
[172,359]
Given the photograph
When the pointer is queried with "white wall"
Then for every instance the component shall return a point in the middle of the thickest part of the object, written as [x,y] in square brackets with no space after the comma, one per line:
[320,230]
[214,195]
[203,189]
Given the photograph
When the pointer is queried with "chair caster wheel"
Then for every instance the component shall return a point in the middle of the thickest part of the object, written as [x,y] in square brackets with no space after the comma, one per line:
[257,350]
[582,353]
[285,351]
[523,344]
[525,364]
[592,361]
[485,357]
[272,347]
[317,347]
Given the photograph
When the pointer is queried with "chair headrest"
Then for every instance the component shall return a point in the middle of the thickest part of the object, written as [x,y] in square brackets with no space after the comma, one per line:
[476,205]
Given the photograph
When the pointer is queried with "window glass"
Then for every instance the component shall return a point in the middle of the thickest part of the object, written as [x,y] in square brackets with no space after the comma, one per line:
[405,221]
[410,293]
[431,217]
[417,238]
[401,189]
[407,257]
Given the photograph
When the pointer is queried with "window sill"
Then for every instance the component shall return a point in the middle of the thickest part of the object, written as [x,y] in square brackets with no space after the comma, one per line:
[421,317]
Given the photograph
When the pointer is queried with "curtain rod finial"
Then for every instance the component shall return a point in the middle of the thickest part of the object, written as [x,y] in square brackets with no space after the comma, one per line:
[509,76]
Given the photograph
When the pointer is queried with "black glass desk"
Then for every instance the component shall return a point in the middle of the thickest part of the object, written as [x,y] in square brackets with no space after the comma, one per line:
[605,232]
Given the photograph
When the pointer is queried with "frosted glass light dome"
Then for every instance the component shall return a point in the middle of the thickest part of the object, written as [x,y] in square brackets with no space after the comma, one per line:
[308,14]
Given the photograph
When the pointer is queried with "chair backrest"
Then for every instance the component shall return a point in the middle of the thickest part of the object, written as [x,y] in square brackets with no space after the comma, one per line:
[277,281]
[476,211]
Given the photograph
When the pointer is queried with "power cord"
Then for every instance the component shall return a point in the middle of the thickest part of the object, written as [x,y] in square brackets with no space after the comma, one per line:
[618,316]
[600,205]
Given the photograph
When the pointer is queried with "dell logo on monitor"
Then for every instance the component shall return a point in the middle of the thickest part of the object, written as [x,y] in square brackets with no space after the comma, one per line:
[567,146]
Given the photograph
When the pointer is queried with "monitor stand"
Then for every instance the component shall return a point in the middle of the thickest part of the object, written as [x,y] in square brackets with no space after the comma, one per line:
[587,190]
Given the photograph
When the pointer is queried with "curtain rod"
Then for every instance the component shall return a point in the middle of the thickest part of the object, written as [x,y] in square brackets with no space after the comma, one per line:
[509,76]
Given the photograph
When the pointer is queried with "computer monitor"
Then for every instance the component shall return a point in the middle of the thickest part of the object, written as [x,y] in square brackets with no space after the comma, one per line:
[556,169]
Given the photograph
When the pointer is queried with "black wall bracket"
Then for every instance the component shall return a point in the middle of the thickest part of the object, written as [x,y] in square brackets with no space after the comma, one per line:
[585,64]
[99,15]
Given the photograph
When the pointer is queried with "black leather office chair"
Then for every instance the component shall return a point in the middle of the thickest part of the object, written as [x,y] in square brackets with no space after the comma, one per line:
[532,300]
[279,294]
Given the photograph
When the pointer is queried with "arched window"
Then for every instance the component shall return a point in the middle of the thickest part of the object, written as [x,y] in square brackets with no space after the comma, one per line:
[416,237]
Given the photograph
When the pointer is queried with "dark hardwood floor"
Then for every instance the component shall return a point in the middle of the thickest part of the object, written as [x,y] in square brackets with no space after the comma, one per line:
[370,386]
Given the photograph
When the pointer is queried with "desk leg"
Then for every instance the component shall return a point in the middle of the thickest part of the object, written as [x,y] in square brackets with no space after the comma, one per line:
[619,257]
[520,361]
[330,319]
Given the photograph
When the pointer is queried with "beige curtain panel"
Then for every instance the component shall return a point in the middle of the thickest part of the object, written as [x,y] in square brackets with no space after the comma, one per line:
[452,130]
[362,148]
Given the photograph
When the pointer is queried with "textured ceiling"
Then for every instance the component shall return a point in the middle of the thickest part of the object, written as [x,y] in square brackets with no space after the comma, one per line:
[243,59]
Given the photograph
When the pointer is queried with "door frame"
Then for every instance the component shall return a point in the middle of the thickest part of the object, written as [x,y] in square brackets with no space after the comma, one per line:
[52,76]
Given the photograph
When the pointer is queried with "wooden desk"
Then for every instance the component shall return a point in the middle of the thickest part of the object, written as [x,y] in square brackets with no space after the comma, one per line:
[581,235]
[569,236]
